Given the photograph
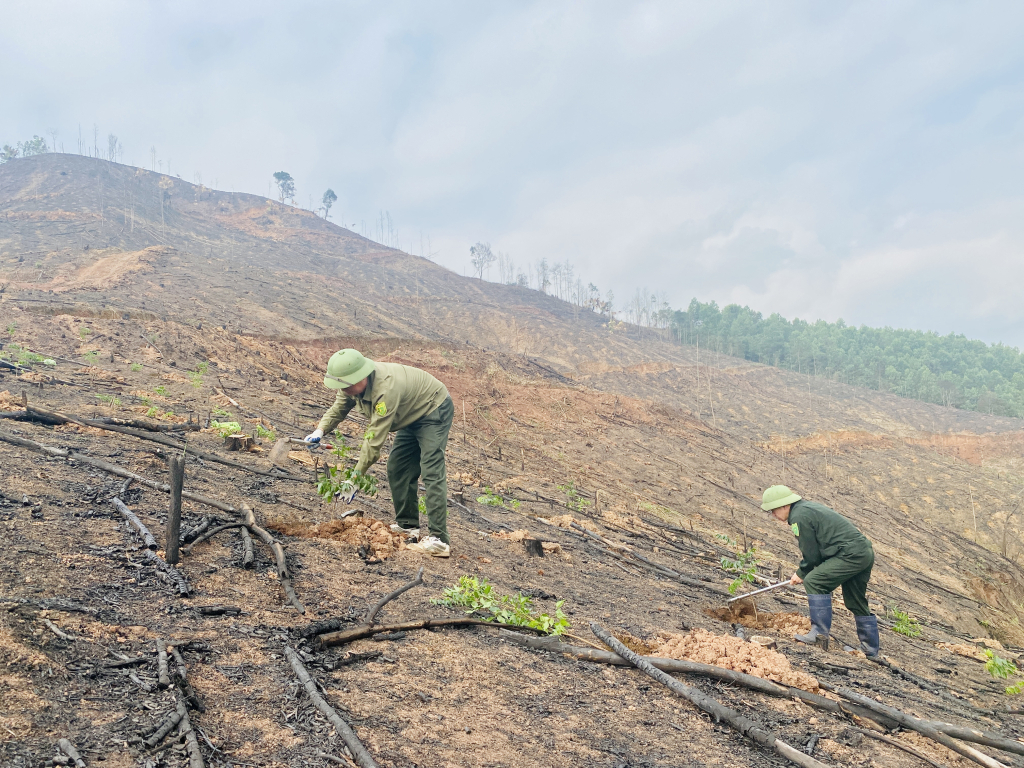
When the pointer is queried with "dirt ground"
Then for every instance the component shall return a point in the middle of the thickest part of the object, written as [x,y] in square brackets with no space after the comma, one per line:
[548,436]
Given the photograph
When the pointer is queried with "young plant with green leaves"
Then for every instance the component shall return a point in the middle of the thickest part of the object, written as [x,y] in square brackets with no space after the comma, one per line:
[492,499]
[341,447]
[574,501]
[744,567]
[135,367]
[262,431]
[335,482]
[480,597]
[226,428]
[999,667]
[161,390]
[903,623]
[196,376]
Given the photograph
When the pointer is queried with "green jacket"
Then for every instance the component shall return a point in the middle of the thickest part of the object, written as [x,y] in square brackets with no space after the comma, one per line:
[395,397]
[823,533]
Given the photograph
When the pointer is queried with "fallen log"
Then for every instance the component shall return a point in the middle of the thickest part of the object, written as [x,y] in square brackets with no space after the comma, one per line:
[58,631]
[362,757]
[170,570]
[759,684]
[132,518]
[745,726]
[112,469]
[358,633]
[194,533]
[283,574]
[899,745]
[924,727]
[69,750]
[61,418]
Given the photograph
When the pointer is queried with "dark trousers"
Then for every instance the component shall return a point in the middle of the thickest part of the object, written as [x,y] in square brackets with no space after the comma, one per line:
[849,571]
[418,452]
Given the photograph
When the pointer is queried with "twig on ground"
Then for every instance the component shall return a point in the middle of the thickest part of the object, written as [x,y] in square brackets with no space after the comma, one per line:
[362,757]
[58,631]
[132,518]
[165,728]
[210,534]
[368,621]
[749,728]
[900,745]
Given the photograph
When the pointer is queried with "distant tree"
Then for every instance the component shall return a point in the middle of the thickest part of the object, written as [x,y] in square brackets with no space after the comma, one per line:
[8,153]
[53,133]
[328,200]
[37,146]
[482,258]
[506,269]
[152,156]
[113,148]
[285,186]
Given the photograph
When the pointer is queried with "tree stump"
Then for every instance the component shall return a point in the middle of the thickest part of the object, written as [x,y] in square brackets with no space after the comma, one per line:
[534,548]
[239,442]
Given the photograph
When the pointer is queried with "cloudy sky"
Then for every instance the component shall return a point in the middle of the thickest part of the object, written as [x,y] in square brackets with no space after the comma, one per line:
[822,160]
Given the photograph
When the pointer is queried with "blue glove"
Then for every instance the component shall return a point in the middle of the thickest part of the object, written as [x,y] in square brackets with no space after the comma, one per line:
[314,436]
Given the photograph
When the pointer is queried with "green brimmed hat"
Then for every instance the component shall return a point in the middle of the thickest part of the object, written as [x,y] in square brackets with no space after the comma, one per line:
[347,367]
[777,496]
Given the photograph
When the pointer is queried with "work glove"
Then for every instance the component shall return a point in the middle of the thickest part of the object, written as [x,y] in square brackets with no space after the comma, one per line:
[314,436]
[348,492]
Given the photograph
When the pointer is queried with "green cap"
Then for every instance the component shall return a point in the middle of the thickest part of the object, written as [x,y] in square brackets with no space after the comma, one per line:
[777,496]
[347,367]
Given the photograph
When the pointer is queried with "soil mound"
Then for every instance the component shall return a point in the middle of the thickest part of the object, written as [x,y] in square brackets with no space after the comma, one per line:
[550,547]
[742,612]
[359,532]
[733,653]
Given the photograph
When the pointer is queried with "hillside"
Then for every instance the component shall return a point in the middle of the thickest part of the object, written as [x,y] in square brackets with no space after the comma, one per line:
[165,301]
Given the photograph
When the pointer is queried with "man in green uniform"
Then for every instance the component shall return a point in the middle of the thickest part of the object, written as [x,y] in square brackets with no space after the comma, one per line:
[411,402]
[834,554]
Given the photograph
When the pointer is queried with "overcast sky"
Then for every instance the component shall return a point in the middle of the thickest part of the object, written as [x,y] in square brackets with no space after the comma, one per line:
[822,160]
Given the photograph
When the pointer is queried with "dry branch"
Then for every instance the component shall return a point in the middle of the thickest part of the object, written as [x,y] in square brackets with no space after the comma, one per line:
[368,621]
[195,757]
[362,757]
[163,679]
[58,631]
[60,418]
[275,547]
[166,727]
[759,684]
[69,750]
[112,469]
[927,728]
[749,728]
[211,533]
[900,745]
[358,633]
[194,533]
[132,518]
[170,570]
[247,552]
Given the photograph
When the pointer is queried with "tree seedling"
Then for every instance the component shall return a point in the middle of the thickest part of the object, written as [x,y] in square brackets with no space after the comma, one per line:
[262,431]
[905,625]
[999,667]
[226,428]
[135,367]
[573,500]
[479,597]
[744,567]
[336,482]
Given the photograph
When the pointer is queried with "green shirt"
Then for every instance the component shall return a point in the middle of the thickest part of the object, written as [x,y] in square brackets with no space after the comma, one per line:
[395,397]
[823,533]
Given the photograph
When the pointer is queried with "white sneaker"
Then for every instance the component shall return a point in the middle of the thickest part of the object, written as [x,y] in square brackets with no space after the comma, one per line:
[431,545]
[413,534]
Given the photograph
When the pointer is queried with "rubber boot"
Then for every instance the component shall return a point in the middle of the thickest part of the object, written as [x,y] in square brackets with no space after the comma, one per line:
[821,621]
[867,633]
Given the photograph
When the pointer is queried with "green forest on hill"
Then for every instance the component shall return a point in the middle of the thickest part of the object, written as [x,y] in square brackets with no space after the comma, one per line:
[949,370]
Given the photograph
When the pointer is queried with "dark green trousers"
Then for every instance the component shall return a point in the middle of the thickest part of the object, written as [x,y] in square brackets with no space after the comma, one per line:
[418,452]
[851,572]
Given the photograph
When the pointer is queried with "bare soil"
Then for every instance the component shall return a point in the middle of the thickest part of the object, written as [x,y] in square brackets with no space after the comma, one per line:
[219,306]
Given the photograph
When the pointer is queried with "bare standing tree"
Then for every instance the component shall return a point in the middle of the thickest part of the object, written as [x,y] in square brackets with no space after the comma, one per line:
[152,156]
[53,133]
[113,148]
[506,269]
[482,258]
